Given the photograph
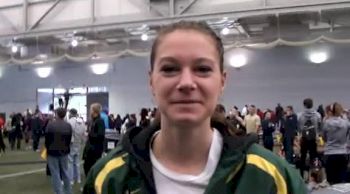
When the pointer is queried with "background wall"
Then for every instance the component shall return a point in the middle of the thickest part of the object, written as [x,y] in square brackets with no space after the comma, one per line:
[279,75]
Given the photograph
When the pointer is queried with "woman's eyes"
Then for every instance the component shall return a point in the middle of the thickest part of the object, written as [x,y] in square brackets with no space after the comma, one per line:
[204,69]
[169,69]
[201,70]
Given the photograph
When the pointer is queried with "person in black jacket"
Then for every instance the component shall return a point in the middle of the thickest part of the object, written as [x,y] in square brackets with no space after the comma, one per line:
[289,131]
[94,146]
[16,133]
[36,125]
[57,141]
[268,128]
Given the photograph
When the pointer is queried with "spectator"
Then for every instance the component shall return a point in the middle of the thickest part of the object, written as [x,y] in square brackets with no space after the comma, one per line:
[335,133]
[78,137]
[94,146]
[144,120]
[289,131]
[118,123]
[36,126]
[252,121]
[57,141]
[309,126]
[268,127]
[104,117]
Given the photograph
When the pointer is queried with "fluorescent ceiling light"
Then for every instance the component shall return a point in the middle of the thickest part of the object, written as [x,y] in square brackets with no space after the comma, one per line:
[99,68]
[238,61]
[43,72]
[144,37]
[14,48]
[318,57]
[74,43]
[225,31]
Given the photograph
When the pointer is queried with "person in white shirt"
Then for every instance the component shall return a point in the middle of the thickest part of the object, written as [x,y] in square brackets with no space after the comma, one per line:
[78,139]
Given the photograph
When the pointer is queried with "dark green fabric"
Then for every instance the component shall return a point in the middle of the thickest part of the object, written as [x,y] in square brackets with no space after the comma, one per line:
[232,175]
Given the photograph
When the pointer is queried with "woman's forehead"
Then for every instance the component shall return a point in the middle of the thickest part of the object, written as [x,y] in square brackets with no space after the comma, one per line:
[187,43]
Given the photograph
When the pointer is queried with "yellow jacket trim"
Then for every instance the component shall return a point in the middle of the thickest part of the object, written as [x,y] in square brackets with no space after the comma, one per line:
[111,165]
[269,168]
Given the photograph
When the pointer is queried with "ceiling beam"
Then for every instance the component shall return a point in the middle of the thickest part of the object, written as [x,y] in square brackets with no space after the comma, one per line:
[45,14]
[128,21]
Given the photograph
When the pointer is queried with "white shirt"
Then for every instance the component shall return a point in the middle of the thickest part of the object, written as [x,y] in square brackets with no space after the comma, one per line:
[170,182]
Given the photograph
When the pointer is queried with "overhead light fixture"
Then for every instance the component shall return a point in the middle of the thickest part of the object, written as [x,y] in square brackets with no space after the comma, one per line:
[14,48]
[318,57]
[99,68]
[43,72]
[74,43]
[238,61]
[225,31]
[144,37]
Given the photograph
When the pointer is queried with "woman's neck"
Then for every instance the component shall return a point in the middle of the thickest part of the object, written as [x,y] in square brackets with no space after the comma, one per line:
[182,149]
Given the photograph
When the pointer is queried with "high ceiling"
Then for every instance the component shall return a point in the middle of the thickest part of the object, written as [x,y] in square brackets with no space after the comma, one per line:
[111,40]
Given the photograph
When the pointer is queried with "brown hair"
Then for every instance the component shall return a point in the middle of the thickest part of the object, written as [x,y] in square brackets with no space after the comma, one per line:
[201,27]
[337,109]
[61,112]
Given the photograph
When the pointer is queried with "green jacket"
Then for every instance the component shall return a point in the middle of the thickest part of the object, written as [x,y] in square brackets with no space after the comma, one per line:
[244,168]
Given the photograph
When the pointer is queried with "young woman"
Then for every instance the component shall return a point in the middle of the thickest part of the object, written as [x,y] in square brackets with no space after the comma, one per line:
[188,152]
[335,130]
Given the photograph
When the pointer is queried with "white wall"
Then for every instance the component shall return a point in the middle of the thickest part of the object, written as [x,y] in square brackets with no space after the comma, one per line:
[278,75]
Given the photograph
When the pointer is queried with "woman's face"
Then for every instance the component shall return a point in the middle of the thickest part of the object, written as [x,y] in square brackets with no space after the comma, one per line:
[186,80]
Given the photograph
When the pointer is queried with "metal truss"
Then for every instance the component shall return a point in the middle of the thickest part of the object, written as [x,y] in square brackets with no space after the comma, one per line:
[156,12]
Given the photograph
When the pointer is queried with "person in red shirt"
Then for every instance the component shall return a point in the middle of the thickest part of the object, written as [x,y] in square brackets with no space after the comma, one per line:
[2,144]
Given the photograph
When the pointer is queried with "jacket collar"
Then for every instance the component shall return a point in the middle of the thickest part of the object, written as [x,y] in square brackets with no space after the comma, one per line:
[137,141]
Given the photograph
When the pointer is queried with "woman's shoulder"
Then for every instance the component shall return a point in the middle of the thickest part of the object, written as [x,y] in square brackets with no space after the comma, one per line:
[284,175]
[278,168]
[116,162]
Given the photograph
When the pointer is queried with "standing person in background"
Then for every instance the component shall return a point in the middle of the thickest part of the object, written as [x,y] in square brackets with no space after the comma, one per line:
[104,117]
[321,111]
[261,114]
[236,121]
[36,126]
[2,143]
[309,125]
[57,141]
[252,121]
[96,136]
[132,122]
[27,128]
[244,111]
[335,133]
[16,133]
[279,113]
[144,120]
[289,131]
[118,123]
[268,127]
[78,139]
[111,121]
